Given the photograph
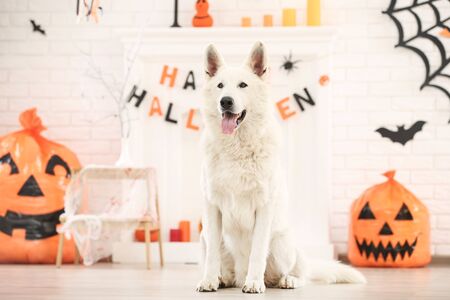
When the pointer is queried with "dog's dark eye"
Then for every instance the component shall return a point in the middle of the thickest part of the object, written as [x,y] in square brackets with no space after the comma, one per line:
[243,85]
[220,85]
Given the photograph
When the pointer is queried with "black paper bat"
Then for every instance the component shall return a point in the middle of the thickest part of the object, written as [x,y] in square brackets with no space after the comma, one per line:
[37,27]
[402,135]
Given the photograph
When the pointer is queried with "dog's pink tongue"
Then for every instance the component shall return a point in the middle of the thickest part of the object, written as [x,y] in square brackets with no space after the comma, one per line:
[229,123]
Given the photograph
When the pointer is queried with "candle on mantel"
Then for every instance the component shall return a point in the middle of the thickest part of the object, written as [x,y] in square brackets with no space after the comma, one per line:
[313,13]
[175,235]
[268,21]
[289,17]
[246,22]
[185,228]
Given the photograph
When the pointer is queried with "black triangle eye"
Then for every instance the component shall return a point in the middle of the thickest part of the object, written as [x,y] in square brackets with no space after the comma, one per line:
[7,159]
[404,214]
[54,161]
[366,213]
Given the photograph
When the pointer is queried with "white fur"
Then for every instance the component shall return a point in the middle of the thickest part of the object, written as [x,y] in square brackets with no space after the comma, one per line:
[245,228]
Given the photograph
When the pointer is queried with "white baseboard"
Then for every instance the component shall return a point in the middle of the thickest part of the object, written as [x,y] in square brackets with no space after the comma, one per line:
[134,252]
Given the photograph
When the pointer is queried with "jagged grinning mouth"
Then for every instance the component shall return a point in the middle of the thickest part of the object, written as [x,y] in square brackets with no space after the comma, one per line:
[36,226]
[399,249]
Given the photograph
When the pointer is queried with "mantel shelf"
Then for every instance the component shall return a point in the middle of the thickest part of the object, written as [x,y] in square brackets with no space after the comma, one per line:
[234,33]
[193,40]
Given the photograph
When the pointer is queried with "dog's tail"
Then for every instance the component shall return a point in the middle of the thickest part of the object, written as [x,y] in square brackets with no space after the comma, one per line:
[333,272]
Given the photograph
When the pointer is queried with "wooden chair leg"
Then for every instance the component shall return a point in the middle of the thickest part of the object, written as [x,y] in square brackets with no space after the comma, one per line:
[161,257]
[76,259]
[59,254]
[147,244]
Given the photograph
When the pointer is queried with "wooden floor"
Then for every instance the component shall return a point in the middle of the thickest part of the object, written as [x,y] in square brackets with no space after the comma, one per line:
[107,281]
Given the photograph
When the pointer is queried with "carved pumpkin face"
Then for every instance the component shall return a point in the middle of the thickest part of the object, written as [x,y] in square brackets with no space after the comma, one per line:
[33,175]
[389,228]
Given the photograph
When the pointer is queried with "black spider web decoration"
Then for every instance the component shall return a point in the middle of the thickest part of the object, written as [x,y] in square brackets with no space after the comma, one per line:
[436,75]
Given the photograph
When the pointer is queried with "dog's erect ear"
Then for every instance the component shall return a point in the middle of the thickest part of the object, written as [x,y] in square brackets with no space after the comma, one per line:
[257,60]
[213,61]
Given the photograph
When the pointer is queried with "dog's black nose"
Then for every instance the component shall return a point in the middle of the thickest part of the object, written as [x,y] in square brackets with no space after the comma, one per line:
[226,102]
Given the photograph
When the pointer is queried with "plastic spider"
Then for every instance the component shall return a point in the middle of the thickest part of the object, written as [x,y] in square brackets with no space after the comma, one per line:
[289,65]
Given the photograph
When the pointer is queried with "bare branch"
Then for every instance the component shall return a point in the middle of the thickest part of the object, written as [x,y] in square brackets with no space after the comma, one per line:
[116,89]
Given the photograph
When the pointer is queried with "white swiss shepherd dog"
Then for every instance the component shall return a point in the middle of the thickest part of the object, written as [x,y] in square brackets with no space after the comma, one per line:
[246,234]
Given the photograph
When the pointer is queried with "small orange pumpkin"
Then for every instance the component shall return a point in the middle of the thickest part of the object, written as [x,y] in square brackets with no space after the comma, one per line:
[139,235]
[324,80]
[34,173]
[202,17]
[389,227]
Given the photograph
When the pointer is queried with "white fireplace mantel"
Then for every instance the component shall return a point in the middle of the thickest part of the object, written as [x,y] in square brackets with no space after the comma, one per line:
[193,40]
[173,149]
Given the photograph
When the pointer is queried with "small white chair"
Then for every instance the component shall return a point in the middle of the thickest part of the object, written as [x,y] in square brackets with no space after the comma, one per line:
[79,207]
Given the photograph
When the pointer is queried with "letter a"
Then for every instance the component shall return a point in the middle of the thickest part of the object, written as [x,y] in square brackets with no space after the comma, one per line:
[155,107]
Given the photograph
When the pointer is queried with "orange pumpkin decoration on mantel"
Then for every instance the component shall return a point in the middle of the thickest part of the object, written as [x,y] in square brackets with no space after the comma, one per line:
[34,173]
[389,227]
[202,17]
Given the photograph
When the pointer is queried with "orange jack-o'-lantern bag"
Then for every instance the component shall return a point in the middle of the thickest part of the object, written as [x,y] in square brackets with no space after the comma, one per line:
[34,173]
[389,227]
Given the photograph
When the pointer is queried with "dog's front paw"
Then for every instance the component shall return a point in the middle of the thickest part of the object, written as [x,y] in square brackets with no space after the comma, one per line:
[254,286]
[290,282]
[208,284]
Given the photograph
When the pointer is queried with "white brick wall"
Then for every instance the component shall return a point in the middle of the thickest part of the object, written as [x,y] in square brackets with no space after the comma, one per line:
[374,85]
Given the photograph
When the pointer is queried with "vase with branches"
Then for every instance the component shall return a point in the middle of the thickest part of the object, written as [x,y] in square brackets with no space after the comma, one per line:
[117,91]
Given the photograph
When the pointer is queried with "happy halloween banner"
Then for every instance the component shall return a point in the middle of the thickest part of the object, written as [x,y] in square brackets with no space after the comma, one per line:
[285,107]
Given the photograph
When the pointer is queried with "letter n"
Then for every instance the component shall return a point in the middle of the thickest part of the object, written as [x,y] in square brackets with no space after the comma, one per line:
[300,98]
